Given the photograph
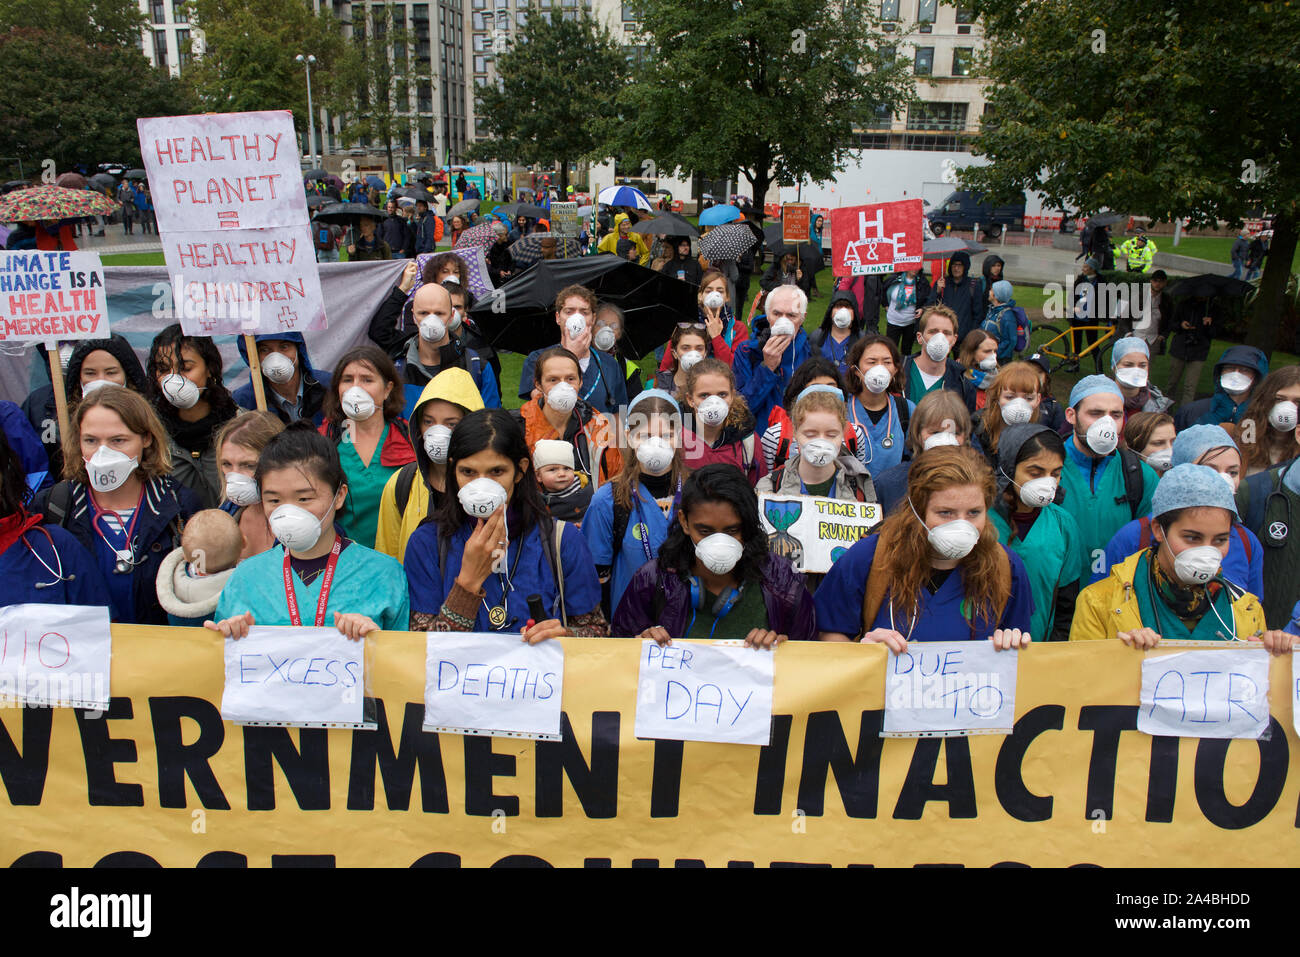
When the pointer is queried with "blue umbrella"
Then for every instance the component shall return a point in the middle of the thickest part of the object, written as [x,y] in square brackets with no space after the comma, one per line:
[717,215]
[376,182]
[624,196]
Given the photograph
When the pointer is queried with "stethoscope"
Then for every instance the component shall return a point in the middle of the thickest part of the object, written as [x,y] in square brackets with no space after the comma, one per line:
[58,560]
[888,441]
[1156,603]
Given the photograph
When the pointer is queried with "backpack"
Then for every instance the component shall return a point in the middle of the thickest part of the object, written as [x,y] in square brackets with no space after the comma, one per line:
[1253,509]
[1133,486]
[324,237]
[1024,328]
[1145,537]
[552,534]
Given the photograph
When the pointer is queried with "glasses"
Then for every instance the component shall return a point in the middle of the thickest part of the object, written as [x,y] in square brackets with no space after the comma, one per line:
[690,325]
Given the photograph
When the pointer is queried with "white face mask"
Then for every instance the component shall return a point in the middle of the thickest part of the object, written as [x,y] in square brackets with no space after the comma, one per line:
[1132,376]
[1283,416]
[109,469]
[951,540]
[481,497]
[94,384]
[688,358]
[783,327]
[1039,492]
[818,453]
[877,379]
[437,438]
[655,455]
[937,347]
[357,404]
[456,321]
[242,489]
[990,364]
[1161,459]
[295,527]
[1017,411]
[277,367]
[713,410]
[1232,482]
[605,338]
[714,300]
[179,391]
[719,553]
[843,318]
[562,397]
[1198,565]
[575,325]
[1235,382]
[432,329]
[1103,435]
[938,439]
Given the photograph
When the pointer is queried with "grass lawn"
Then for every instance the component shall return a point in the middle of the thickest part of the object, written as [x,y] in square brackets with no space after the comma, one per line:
[133,259]
[1213,248]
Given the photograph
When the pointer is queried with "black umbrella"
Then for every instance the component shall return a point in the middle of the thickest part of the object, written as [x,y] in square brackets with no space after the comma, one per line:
[314,174]
[1209,286]
[135,174]
[666,224]
[347,214]
[413,192]
[14,184]
[315,200]
[103,181]
[1106,218]
[521,209]
[463,207]
[653,302]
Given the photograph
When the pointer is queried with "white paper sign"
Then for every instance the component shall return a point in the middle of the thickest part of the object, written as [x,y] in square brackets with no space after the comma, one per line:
[52,295]
[1205,694]
[55,655]
[1295,690]
[813,532]
[301,677]
[950,688]
[696,692]
[232,213]
[493,685]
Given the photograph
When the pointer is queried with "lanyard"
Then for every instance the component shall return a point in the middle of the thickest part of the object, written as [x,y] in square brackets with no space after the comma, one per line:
[593,359]
[126,529]
[292,599]
[640,518]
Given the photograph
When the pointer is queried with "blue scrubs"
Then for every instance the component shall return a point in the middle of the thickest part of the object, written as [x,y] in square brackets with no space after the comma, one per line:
[530,575]
[70,577]
[637,546]
[875,456]
[121,591]
[939,617]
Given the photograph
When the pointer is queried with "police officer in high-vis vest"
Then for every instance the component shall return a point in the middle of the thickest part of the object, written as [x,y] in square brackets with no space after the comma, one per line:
[1138,252]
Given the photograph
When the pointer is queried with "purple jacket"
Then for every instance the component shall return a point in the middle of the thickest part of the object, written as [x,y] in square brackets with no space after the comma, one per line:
[789,605]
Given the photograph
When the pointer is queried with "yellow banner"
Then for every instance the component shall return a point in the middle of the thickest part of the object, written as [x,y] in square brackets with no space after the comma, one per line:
[162,775]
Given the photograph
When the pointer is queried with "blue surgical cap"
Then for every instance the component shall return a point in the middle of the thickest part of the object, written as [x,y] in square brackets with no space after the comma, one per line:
[1125,346]
[654,394]
[1091,385]
[1003,291]
[1192,486]
[1191,443]
[819,387]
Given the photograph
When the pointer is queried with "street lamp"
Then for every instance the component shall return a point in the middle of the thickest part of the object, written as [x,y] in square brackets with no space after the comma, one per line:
[307,61]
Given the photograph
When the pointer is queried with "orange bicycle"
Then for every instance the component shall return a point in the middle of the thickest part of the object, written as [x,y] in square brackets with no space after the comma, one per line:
[1063,345]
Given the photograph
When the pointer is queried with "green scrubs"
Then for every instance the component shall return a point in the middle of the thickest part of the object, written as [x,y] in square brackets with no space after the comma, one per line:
[1051,553]
[1160,619]
[360,513]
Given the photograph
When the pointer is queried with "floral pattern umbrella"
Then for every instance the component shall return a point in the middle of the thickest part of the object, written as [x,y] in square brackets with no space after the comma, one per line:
[47,203]
[484,234]
[528,250]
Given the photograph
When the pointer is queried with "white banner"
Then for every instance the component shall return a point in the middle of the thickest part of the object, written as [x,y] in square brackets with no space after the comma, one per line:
[493,685]
[55,655]
[813,532]
[696,692]
[1205,694]
[950,688]
[52,295]
[303,677]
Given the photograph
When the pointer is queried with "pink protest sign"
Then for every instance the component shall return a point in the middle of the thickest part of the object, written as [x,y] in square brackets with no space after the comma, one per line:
[232,213]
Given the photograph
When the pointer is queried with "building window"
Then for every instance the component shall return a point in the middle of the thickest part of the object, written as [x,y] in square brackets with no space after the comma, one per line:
[965,16]
[889,9]
[948,117]
[482,43]
[424,97]
[926,12]
[481,63]
[503,4]
[521,17]
[183,48]
[884,117]
[480,4]
[962,58]
[160,48]
[178,12]
[924,64]
[158,11]
[479,22]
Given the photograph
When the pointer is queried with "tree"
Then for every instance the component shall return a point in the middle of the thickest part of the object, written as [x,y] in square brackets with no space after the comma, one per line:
[1169,110]
[372,87]
[249,64]
[74,102]
[110,22]
[556,86]
[775,88]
